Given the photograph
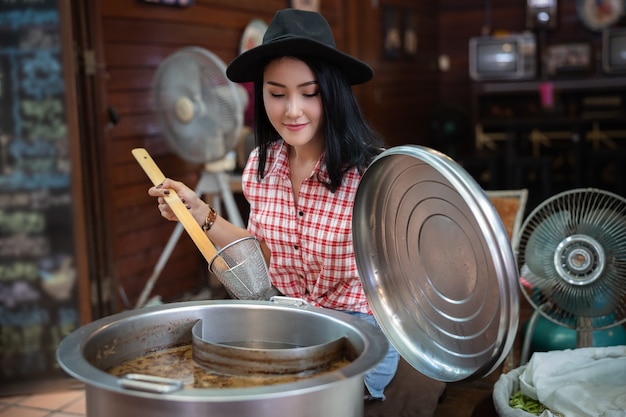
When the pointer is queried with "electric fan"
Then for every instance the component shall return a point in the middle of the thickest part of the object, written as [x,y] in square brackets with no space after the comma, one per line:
[201,116]
[572,253]
[200,110]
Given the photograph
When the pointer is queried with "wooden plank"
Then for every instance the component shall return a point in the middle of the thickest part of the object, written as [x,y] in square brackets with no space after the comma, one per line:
[132,102]
[166,32]
[209,13]
[126,175]
[137,193]
[182,273]
[129,55]
[135,125]
[130,80]
[182,261]
[121,148]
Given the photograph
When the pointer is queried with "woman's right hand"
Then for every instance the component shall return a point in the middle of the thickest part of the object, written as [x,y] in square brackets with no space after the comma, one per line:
[188,196]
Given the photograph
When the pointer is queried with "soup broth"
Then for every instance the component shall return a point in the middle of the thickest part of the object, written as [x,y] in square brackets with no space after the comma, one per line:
[177,363]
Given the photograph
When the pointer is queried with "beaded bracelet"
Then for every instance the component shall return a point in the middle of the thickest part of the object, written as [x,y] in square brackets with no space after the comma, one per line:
[210,219]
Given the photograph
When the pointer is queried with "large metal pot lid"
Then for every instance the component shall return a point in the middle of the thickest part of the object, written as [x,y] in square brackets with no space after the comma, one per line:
[436,264]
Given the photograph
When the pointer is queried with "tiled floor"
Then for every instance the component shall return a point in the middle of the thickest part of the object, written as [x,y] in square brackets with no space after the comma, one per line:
[69,403]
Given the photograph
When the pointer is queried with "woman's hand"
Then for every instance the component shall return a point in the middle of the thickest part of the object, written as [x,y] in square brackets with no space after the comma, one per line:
[221,233]
[188,196]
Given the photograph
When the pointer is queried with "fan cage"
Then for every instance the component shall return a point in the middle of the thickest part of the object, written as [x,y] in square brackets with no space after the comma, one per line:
[200,110]
[571,252]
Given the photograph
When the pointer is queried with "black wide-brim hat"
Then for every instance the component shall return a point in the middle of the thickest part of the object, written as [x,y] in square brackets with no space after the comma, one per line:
[294,32]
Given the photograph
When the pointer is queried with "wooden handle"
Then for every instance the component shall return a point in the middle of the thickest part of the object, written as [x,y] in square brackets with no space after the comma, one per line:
[182,213]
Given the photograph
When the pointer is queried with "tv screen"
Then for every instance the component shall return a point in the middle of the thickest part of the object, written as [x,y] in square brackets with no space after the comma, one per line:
[509,57]
[614,46]
[496,57]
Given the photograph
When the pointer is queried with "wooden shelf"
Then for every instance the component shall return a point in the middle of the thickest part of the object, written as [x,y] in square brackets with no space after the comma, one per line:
[570,85]
[578,103]
[587,114]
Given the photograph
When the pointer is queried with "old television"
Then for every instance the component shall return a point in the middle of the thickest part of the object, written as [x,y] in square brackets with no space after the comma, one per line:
[614,50]
[505,57]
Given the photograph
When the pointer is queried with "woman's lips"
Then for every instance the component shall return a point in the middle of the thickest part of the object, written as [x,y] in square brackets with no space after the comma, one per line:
[295,128]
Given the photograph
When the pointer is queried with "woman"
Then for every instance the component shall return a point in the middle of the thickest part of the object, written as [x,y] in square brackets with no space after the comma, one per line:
[313,145]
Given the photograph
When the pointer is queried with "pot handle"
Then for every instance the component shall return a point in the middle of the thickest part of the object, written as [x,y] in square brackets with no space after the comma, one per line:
[292,301]
[149,383]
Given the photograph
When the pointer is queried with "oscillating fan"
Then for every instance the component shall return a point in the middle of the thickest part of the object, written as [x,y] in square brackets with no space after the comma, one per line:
[200,110]
[571,251]
[201,115]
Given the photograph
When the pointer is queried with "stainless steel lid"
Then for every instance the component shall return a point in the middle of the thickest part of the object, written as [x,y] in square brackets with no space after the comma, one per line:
[436,264]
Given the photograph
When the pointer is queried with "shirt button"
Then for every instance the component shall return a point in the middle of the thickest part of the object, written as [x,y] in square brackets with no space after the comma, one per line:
[300,213]
[295,247]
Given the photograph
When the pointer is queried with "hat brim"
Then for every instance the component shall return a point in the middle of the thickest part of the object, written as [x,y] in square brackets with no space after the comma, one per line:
[245,67]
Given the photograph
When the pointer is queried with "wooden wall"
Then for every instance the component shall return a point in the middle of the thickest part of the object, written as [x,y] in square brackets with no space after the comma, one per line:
[459,20]
[400,98]
[136,39]
[133,38]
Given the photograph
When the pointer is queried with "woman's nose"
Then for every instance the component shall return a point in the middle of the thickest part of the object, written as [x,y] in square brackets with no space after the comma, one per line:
[294,108]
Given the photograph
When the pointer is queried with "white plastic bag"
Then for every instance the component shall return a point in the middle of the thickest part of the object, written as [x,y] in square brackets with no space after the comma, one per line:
[583,382]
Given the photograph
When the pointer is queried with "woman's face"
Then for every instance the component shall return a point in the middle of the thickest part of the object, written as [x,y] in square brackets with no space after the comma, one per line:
[292,101]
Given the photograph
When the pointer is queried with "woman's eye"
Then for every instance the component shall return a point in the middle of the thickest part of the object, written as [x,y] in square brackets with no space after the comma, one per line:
[307,95]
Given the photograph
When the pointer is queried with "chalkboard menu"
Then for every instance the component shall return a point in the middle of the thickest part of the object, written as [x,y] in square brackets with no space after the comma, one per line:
[38,275]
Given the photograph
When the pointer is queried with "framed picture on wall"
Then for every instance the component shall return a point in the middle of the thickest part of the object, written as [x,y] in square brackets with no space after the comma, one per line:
[570,58]
[399,37]
[392,32]
[410,39]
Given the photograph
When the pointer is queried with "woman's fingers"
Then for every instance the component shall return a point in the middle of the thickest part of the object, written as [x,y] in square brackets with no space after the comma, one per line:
[188,196]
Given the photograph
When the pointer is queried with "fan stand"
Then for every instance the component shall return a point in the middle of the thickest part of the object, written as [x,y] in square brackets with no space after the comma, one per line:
[214,181]
[584,337]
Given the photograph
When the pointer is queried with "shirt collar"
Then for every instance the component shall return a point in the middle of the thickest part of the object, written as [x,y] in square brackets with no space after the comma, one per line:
[279,163]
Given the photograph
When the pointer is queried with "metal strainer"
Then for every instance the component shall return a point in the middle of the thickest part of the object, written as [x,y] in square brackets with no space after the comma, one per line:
[241,268]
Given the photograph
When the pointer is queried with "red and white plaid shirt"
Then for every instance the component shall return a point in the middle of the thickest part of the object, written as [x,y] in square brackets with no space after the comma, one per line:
[311,244]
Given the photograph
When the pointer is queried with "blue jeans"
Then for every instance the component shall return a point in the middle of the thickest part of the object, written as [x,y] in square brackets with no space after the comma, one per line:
[377,379]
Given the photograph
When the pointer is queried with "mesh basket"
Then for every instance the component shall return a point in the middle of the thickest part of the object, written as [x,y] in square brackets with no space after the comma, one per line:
[241,268]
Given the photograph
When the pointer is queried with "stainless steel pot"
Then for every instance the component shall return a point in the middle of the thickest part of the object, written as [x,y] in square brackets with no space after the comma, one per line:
[89,351]
[438,271]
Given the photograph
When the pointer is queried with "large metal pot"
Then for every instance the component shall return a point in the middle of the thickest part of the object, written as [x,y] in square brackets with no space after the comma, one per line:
[89,351]
[438,271]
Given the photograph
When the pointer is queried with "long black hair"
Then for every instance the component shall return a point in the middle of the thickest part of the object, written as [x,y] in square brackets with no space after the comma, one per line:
[350,140]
